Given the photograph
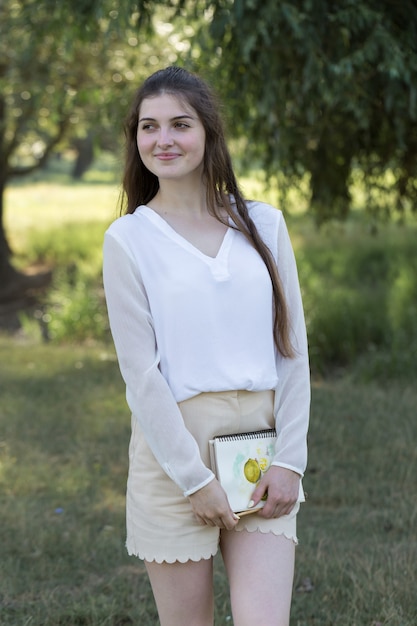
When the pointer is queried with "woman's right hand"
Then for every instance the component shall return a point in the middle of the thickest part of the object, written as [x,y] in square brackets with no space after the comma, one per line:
[211,506]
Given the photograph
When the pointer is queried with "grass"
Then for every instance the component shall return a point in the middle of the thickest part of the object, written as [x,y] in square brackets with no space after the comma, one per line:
[41,207]
[63,464]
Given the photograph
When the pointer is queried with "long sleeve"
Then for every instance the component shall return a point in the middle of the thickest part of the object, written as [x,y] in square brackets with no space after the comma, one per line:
[292,395]
[147,392]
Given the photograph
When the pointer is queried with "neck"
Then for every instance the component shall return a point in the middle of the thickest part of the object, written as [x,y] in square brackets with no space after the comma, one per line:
[174,197]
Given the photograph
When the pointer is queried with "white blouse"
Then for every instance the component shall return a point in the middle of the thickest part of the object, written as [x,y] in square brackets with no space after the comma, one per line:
[185,323]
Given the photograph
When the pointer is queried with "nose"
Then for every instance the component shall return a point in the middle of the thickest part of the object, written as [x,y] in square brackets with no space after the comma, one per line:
[165,137]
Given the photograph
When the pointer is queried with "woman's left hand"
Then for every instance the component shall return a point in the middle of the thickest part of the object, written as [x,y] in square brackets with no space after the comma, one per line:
[282,488]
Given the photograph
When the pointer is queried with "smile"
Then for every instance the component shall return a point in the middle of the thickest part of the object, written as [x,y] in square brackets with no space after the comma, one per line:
[167,156]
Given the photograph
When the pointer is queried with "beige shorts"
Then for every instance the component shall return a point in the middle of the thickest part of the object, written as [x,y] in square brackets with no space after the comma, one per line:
[159,519]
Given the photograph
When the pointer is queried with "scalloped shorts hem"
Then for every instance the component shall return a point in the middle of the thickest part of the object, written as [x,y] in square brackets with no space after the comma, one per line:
[196,553]
[160,523]
[285,526]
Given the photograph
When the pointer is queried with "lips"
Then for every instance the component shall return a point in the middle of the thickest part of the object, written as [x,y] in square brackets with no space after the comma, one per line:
[166,156]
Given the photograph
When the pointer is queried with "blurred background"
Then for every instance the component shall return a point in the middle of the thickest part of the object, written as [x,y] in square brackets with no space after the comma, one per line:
[320,104]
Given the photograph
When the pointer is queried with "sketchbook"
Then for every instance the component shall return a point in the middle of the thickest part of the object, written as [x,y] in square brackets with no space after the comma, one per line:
[239,461]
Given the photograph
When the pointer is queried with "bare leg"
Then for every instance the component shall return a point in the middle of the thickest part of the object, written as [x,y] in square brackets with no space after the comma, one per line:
[183,592]
[260,567]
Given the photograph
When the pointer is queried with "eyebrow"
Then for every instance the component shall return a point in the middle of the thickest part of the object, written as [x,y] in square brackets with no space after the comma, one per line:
[177,117]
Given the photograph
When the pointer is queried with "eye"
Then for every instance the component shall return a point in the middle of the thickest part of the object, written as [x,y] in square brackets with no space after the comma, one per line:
[147,126]
[181,125]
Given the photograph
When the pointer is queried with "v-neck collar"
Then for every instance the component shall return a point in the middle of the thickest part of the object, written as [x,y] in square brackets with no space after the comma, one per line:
[217,264]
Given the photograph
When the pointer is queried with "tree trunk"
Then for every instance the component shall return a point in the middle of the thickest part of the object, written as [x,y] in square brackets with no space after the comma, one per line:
[330,170]
[85,156]
[18,291]
[7,273]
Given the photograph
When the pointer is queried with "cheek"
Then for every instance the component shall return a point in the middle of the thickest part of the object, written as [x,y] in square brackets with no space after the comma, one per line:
[198,145]
[144,146]
[203,144]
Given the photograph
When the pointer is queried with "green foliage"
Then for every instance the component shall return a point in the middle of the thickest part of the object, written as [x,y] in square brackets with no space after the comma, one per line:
[402,303]
[314,87]
[67,73]
[68,69]
[360,297]
[76,312]
[74,309]
[59,64]
[65,429]
[322,87]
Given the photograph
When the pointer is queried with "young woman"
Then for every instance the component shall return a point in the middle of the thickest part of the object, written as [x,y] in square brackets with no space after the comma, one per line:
[206,315]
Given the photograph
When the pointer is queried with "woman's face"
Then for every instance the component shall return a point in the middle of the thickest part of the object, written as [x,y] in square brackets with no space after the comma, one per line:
[170,138]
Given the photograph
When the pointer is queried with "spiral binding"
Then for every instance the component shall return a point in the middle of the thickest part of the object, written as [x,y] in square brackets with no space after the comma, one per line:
[256,434]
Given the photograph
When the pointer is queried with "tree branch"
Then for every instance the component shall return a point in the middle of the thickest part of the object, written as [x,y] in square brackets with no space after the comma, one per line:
[23,171]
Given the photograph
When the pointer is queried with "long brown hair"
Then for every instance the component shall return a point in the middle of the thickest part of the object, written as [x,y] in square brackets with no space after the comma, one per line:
[140,185]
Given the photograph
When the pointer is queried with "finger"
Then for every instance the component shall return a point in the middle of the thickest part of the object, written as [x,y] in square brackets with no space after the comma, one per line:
[257,495]
[229,524]
[217,522]
[273,509]
[283,509]
[270,509]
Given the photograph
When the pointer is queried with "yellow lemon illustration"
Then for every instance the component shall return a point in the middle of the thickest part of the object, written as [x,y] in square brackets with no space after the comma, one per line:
[252,470]
[263,464]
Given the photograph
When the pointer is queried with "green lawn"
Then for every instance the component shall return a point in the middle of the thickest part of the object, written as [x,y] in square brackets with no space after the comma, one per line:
[63,459]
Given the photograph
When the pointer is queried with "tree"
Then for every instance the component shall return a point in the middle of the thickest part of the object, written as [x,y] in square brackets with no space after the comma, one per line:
[327,89]
[324,88]
[59,69]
